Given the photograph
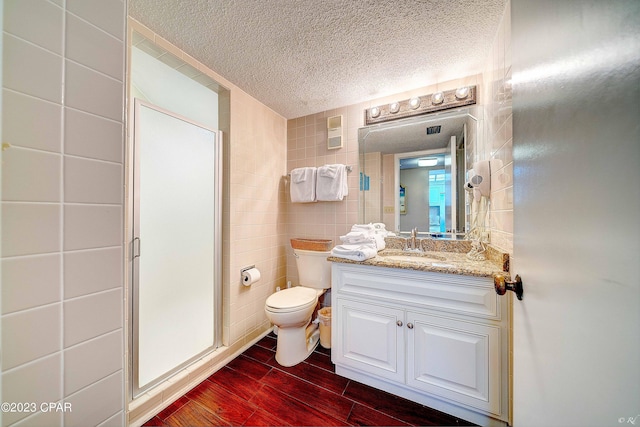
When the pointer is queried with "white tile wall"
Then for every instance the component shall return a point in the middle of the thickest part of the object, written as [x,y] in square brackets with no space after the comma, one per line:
[31,122]
[29,228]
[42,419]
[99,401]
[62,177]
[30,69]
[30,282]
[31,175]
[109,16]
[92,361]
[499,135]
[91,91]
[40,24]
[103,186]
[93,47]
[91,136]
[39,381]
[100,313]
[24,339]
[87,226]
[86,272]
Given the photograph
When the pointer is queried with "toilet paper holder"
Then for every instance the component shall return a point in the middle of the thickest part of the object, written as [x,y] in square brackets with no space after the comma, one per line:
[242,270]
[245,275]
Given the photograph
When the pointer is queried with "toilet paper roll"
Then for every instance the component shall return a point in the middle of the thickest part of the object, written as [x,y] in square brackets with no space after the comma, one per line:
[250,276]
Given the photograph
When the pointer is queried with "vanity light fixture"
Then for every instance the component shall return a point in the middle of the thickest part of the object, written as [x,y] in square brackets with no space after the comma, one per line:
[437,98]
[417,105]
[462,92]
[429,161]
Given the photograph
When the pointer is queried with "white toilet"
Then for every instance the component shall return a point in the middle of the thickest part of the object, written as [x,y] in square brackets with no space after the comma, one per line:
[291,309]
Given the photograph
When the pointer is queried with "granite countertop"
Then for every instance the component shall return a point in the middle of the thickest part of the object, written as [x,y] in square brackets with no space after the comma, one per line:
[448,256]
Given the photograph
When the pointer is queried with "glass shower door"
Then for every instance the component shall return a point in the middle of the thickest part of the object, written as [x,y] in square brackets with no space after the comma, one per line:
[175,246]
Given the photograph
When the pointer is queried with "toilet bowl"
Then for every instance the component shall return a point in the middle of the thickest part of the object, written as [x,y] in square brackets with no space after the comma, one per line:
[291,309]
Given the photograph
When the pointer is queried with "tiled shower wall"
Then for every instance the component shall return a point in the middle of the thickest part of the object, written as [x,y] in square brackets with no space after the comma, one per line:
[62,210]
[499,134]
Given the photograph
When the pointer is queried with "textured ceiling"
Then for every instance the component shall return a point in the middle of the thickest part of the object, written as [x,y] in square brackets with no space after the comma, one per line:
[301,57]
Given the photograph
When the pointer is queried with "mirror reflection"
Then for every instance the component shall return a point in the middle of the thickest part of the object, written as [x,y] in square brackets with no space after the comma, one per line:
[412,173]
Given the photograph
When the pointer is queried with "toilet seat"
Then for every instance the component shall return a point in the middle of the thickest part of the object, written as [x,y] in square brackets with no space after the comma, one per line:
[292,299]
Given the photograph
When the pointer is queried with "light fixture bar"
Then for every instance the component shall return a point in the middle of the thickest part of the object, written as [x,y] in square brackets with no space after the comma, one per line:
[425,104]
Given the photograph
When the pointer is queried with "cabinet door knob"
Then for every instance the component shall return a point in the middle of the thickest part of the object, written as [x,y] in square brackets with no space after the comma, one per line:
[399,323]
[410,325]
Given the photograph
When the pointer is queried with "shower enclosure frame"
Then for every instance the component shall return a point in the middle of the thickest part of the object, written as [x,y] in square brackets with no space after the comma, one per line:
[133,232]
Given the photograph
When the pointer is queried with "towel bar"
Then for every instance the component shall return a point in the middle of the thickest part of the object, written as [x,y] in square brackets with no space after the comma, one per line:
[349,169]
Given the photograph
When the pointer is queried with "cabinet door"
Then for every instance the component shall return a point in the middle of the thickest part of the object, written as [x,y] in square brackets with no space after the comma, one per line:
[371,338]
[454,359]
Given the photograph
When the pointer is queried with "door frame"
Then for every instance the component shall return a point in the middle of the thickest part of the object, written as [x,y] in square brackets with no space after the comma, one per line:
[132,226]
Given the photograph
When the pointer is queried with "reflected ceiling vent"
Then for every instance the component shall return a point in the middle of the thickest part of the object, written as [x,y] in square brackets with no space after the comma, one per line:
[432,130]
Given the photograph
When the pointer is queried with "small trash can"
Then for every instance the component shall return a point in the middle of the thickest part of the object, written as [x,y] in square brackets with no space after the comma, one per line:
[324,317]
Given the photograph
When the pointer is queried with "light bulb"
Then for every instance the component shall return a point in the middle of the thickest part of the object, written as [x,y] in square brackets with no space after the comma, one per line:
[437,98]
[462,93]
[414,103]
[394,107]
[375,112]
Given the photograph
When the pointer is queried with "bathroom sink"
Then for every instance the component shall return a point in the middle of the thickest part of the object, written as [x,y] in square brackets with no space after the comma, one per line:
[414,258]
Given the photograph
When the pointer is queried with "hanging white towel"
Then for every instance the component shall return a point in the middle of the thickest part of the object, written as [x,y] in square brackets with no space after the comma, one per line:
[303,185]
[331,183]
[358,252]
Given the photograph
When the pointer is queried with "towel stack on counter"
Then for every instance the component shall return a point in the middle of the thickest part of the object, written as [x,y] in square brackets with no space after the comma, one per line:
[362,242]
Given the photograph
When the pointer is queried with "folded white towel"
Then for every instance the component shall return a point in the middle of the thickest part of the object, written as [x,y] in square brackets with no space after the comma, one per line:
[303,185]
[359,252]
[377,231]
[331,184]
[380,243]
[363,227]
[354,236]
[357,235]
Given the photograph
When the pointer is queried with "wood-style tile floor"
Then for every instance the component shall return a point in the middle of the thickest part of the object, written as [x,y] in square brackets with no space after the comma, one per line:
[254,390]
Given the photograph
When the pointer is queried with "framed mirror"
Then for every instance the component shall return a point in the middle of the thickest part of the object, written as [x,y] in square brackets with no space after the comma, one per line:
[412,172]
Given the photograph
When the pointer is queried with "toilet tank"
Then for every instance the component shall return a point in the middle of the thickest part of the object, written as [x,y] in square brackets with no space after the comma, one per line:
[314,271]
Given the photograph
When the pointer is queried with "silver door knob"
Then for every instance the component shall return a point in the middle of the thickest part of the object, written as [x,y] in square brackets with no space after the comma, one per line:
[410,325]
[399,323]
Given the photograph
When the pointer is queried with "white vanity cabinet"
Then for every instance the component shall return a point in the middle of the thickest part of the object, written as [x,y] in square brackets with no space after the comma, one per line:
[438,339]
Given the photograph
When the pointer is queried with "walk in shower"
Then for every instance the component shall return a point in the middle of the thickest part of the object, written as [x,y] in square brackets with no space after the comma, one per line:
[174,215]
[175,249]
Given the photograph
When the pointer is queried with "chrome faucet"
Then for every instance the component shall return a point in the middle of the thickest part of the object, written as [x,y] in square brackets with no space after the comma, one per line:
[414,232]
